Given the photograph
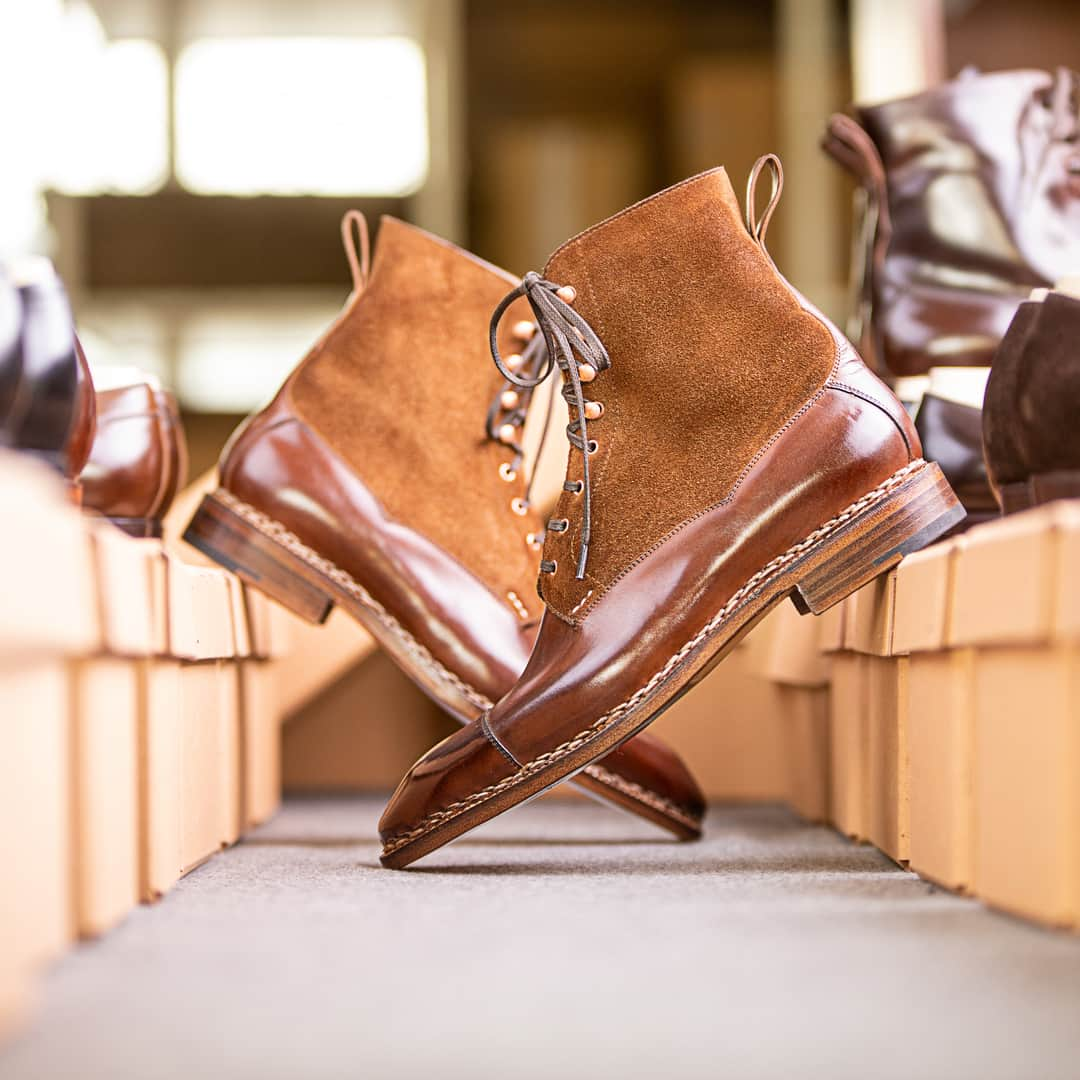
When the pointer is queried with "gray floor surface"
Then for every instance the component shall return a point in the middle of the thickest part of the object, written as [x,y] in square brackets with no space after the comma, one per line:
[560,940]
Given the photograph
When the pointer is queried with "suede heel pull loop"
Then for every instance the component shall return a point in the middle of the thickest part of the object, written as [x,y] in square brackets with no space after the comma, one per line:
[571,344]
[354,225]
[758,228]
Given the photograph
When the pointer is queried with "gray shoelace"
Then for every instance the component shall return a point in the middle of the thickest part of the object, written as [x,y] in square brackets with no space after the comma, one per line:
[567,337]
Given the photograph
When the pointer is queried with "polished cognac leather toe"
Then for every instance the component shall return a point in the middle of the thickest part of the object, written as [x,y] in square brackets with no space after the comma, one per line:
[137,460]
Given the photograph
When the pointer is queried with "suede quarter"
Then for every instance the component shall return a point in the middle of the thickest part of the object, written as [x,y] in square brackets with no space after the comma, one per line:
[437,472]
[702,375]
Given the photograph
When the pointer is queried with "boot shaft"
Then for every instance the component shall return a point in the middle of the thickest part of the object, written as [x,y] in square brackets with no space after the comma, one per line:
[399,389]
[712,353]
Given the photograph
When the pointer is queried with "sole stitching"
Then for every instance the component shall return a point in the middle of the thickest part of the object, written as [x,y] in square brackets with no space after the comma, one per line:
[643,795]
[433,820]
[294,545]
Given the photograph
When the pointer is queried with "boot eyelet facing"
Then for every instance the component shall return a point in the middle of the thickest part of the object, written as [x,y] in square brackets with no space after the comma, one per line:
[519,506]
[549,566]
[507,473]
[533,541]
[593,446]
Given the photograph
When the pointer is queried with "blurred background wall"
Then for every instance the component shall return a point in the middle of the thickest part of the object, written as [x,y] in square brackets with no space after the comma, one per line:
[186,162]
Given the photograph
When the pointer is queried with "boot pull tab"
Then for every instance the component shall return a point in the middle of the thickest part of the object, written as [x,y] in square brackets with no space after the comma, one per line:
[756,228]
[354,225]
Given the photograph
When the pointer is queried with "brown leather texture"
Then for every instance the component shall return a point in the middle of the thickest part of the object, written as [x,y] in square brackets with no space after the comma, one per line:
[290,473]
[701,375]
[1032,403]
[951,435]
[138,458]
[971,192]
[827,433]
[400,386]
[84,421]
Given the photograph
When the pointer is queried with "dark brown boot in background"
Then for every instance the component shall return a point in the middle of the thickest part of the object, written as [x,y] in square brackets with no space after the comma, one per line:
[1031,414]
[728,450]
[968,199]
[370,482]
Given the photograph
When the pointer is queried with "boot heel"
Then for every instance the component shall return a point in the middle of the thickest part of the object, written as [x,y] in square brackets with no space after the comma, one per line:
[224,536]
[912,515]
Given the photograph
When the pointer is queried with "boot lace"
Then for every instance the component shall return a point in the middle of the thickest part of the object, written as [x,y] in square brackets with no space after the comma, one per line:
[572,345]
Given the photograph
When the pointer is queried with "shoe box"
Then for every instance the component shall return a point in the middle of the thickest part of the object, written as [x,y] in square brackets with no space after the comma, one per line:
[955,713]
[140,724]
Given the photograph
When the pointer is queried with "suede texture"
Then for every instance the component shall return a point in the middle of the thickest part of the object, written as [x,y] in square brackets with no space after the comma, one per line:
[711,354]
[400,387]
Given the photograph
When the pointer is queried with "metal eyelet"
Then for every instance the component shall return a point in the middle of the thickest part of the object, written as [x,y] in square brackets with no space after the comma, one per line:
[549,566]
[519,506]
[574,487]
[507,473]
[534,541]
[593,446]
[559,525]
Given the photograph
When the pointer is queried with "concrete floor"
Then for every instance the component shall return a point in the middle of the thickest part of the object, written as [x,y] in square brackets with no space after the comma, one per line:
[559,940]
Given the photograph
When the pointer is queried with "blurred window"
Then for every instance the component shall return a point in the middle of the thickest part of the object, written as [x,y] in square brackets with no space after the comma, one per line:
[301,116]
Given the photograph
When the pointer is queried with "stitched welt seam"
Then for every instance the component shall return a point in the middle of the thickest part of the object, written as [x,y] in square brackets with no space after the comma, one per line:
[597,727]
[295,546]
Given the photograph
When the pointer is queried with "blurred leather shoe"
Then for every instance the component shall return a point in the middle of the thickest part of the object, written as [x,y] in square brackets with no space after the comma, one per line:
[370,482]
[969,199]
[1030,415]
[951,434]
[728,450]
[139,457]
[46,392]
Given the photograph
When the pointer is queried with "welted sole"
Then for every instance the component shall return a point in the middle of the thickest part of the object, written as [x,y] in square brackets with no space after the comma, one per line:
[265,555]
[907,512]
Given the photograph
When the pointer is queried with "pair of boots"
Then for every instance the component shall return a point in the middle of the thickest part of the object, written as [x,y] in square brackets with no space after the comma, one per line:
[727,449]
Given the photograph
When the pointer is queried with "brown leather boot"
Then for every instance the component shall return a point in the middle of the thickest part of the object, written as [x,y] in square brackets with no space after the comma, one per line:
[729,449]
[970,193]
[371,482]
[138,461]
[1030,428]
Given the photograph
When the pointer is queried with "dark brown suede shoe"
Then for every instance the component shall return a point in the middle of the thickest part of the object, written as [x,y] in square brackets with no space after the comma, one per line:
[138,460]
[371,482]
[731,451]
[970,197]
[1031,413]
